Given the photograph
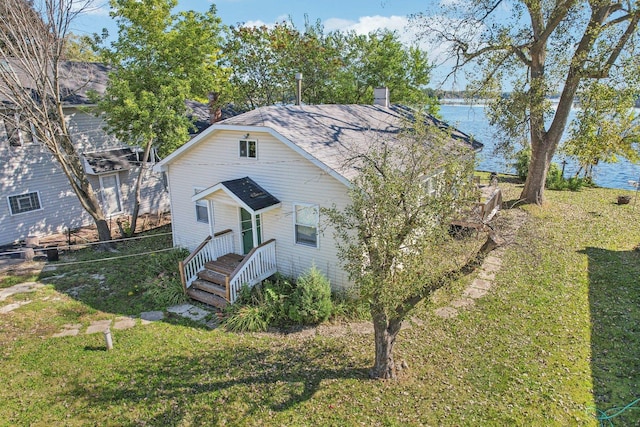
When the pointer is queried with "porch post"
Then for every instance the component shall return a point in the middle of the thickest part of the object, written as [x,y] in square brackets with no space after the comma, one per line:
[254,229]
[210,213]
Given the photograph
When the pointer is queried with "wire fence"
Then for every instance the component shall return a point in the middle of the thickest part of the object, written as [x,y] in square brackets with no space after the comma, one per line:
[52,252]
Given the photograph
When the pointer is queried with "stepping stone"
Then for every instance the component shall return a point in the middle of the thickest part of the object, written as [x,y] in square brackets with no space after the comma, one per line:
[446,312]
[485,285]
[10,307]
[490,276]
[475,293]
[151,316]
[66,333]
[19,289]
[490,267]
[493,260]
[124,323]
[462,302]
[189,311]
[98,326]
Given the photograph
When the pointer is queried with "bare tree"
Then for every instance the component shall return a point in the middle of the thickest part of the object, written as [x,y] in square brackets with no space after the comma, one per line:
[535,49]
[34,84]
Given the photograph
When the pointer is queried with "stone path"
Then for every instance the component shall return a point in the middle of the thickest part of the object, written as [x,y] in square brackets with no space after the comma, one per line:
[188,311]
[120,323]
[487,271]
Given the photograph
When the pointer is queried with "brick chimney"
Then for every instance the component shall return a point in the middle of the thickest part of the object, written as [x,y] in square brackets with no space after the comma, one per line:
[381,96]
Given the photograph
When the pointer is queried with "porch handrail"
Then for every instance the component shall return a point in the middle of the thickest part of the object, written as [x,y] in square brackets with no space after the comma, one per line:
[256,266]
[210,249]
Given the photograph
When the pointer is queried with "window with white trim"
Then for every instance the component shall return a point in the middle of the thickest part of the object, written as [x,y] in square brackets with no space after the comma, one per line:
[248,148]
[24,203]
[202,208]
[433,184]
[306,218]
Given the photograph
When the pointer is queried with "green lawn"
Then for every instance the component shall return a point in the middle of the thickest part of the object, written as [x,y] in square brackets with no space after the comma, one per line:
[558,335]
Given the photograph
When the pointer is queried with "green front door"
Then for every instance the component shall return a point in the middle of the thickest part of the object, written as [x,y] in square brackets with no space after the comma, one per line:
[247,231]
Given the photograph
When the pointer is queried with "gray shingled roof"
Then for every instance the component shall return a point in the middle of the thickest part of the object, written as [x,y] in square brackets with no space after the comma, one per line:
[331,133]
[77,79]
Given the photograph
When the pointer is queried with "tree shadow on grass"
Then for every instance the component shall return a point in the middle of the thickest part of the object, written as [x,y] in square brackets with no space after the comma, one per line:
[229,384]
[614,301]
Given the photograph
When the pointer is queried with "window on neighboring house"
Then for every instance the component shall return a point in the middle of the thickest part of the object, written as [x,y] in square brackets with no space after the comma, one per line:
[306,218]
[248,149]
[202,208]
[12,131]
[24,203]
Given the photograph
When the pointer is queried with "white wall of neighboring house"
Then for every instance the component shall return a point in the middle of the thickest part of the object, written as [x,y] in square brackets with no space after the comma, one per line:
[280,171]
[31,168]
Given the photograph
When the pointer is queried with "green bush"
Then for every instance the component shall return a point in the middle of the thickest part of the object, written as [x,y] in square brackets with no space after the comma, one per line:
[310,303]
[554,181]
[166,291]
[521,163]
[165,288]
[349,306]
[247,318]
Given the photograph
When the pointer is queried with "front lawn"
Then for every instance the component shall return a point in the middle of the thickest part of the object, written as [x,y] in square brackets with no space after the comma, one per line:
[556,337]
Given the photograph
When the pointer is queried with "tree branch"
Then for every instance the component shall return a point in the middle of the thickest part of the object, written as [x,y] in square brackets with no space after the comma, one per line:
[493,242]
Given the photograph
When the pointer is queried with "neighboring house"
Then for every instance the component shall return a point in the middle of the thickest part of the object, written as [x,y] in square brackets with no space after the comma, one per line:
[37,197]
[253,185]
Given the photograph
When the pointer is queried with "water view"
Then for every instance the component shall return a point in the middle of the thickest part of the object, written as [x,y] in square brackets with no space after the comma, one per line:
[473,121]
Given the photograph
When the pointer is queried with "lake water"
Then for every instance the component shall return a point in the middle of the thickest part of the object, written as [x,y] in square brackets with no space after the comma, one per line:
[473,121]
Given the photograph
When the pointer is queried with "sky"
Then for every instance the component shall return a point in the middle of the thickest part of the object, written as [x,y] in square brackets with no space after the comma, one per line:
[362,16]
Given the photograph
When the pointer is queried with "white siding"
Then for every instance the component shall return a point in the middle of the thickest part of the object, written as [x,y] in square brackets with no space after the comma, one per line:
[32,168]
[280,171]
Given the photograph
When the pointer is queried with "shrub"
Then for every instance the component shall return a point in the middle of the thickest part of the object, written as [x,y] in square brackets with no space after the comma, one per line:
[247,318]
[554,181]
[310,303]
[521,163]
[166,290]
[349,306]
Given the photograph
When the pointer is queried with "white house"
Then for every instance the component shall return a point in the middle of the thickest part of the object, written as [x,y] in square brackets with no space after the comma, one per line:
[247,191]
[36,197]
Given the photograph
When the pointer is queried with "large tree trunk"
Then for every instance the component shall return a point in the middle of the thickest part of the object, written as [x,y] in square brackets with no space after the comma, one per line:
[386,330]
[533,191]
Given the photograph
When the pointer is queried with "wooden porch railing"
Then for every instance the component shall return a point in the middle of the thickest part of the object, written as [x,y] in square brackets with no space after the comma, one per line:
[210,249]
[257,265]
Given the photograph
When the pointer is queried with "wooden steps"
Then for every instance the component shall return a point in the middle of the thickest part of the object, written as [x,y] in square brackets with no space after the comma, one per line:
[225,264]
[207,298]
[211,285]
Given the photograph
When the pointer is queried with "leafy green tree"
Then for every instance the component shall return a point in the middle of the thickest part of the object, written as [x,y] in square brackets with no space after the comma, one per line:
[379,59]
[394,239]
[160,60]
[33,76]
[534,49]
[336,67]
[606,127]
[80,49]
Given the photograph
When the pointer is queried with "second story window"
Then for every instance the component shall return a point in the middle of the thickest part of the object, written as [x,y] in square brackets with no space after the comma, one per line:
[248,148]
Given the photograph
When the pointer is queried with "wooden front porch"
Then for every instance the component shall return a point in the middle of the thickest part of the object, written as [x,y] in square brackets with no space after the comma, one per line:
[213,273]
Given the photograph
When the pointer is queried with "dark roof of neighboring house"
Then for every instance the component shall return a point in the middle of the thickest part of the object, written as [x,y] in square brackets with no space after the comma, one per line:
[111,160]
[251,193]
[77,79]
[332,133]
